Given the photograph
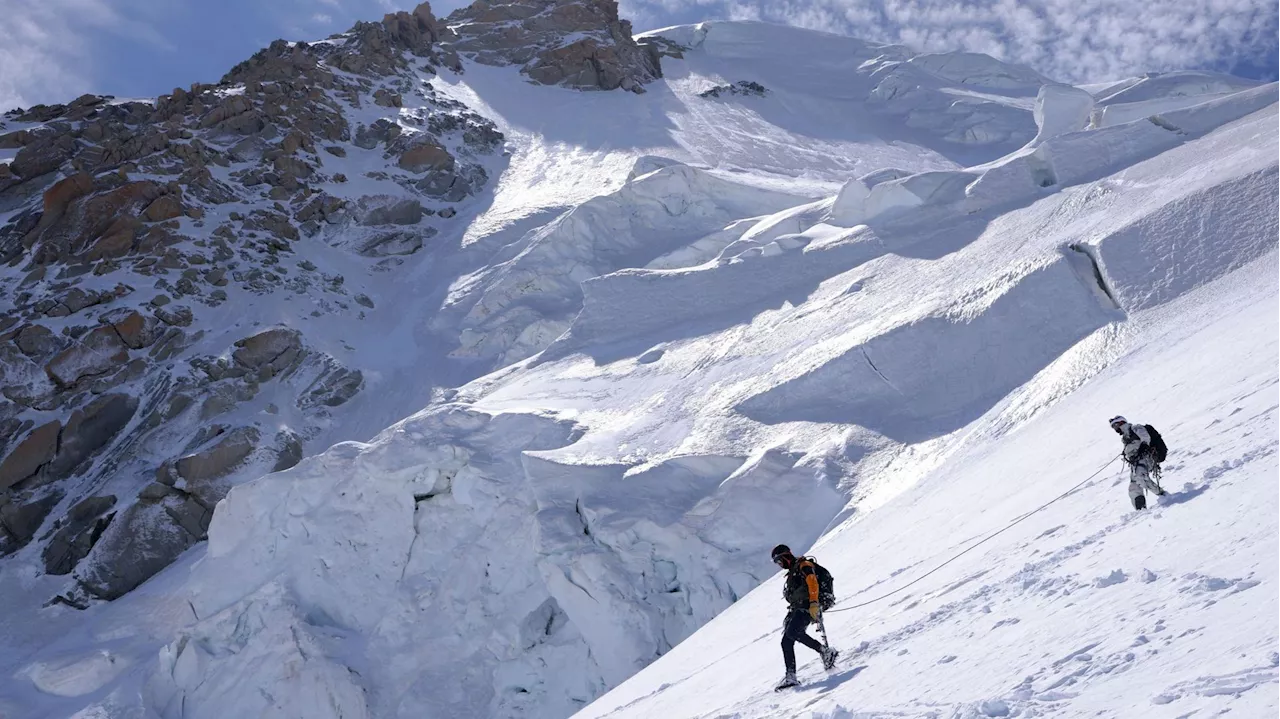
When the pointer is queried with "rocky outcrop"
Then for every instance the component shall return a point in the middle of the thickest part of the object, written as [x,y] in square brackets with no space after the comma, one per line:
[272,351]
[21,519]
[127,223]
[744,88]
[77,533]
[98,352]
[141,541]
[581,44]
[230,449]
[31,455]
[89,429]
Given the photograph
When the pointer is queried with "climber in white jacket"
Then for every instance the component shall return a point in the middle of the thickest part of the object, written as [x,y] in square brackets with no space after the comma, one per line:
[1141,457]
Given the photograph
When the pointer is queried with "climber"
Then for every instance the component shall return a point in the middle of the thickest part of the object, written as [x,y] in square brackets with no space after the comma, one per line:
[804,605]
[1144,450]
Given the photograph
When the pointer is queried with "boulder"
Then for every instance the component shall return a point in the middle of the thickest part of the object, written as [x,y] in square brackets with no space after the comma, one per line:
[289,450]
[24,381]
[89,429]
[30,455]
[220,459]
[95,226]
[583,45]
[276,348]
[62,192]
[134,330]
[37,341]
[43,155]
[77,299]
[400,212]
[164,207]
[80,530]
[19,521]
[381,131]
[332,388]
[176,316]
[392,243]
[99,352]
[14,140]
[139,542]
[425,156]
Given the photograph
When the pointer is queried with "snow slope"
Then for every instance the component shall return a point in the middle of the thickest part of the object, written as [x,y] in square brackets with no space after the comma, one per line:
[1086,608]
[720,323]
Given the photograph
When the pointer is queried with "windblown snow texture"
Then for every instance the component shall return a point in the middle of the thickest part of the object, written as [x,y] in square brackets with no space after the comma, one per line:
[880,312]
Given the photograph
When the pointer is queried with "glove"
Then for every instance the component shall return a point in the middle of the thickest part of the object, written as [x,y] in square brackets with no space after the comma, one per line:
[815,611]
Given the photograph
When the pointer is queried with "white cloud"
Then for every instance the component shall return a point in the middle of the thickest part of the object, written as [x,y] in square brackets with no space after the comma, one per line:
[1073,40]
[44,56]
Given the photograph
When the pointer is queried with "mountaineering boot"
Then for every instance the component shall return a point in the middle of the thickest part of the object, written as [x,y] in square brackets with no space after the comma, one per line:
[787,682]
[1160,491]
[1140,502]
[829,657]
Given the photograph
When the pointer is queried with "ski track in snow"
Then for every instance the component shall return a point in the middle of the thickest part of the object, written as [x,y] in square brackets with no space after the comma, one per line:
[709,338]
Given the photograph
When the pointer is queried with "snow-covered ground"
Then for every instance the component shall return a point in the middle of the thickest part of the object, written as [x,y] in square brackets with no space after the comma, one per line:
[1085,609]
[877,310]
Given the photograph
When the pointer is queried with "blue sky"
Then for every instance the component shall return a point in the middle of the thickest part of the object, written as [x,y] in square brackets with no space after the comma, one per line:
[53,50]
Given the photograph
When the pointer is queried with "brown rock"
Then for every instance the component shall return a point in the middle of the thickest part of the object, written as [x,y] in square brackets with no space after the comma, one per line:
[37,341]
[99,352]
[31,454]
[44,154]
[85,523]
[426,156]
[134,331]
[289,448]
[386,98]
[164,207]
[15,139]
[116,242]
[155,492]
[62,192]
[275,347]
[140,542]
[89,429]
[77,299]
[230,450]
[177,316]
[19,522]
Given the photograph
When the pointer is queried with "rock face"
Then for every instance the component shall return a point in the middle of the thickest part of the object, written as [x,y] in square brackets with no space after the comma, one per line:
[273,350]
[19,520]
[80,530]
[581,44]
[101,198]
[139,236]
[140,542]
[35,451]
[218,460]
[99,352]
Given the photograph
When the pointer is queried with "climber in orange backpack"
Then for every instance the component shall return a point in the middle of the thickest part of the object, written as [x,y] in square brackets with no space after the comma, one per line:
[805,602]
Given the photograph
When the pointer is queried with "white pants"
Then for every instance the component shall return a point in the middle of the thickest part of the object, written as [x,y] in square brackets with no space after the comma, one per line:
[1140,481]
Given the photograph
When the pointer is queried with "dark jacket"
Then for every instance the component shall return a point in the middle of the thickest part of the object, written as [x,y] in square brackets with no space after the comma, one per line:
[801,587]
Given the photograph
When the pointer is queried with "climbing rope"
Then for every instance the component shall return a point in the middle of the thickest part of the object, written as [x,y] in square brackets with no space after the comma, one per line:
[979,543]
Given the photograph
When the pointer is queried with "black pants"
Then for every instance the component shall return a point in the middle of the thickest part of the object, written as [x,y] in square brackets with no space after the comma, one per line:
[793,631]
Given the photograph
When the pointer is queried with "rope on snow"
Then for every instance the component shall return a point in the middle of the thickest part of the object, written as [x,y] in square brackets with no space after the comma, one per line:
[977,544]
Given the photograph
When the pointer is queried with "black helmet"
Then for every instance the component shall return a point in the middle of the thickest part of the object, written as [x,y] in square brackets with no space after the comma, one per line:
[781,550]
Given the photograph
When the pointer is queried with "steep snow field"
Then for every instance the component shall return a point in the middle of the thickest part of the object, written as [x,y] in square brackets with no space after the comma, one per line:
[883,309]
[1085,609]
